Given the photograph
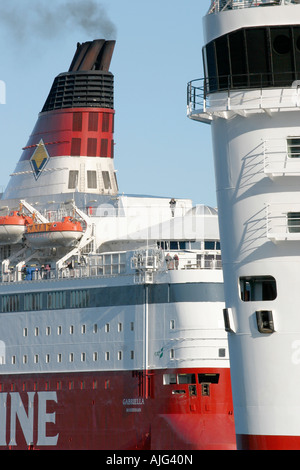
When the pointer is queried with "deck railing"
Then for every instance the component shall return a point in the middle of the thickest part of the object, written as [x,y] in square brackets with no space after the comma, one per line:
[222,5]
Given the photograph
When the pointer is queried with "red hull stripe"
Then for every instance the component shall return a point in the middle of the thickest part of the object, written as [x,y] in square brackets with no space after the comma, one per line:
[127,410]
[252,442]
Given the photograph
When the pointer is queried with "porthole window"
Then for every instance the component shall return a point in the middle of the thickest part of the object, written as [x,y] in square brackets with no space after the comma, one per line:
[282,44]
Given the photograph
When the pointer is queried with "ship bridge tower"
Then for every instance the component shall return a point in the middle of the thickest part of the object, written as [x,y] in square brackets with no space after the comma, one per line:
[251,97]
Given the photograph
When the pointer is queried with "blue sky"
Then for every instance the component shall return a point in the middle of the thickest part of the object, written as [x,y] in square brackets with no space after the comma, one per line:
[158,151]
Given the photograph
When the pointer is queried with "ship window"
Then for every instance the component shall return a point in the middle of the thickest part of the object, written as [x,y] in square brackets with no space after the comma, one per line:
[222,352]
[79,299]
[107,328]
[119,355]
[10,303]
[36,358]
[48,330]
[33,302]
[13,359]
[25,359]
[258,288]
[59,357]
[25,332]
[106,179]
[293,145]
[293,222]
[95,356]
[92,179]
[59,330]
[132,355]
[71,357]
[212,245]
[172,324]
[132,326]
[107,356]
[169,379]
[95,328]
[83,329]
[71,329]
[83,357]
[282,44]
[73,179]
[47,358]
[56,300]
[186,378]
[120,327]
[172,354]
[208,378]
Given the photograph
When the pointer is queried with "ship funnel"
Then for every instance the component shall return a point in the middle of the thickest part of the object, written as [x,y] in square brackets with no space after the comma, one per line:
[76,125]
[95,55]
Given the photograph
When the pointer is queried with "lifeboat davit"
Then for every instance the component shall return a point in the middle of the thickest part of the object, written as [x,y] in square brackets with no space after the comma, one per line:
[12,227]
[64,233]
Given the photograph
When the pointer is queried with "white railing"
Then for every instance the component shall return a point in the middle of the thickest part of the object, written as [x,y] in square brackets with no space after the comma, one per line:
[283,222]
[279,159]
[115,264]
[201,100]
[222,5]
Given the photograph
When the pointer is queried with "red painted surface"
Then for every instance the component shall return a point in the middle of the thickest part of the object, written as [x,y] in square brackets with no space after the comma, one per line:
[74,131]
[118,411]
[67,224]
[255,442]
[14,218]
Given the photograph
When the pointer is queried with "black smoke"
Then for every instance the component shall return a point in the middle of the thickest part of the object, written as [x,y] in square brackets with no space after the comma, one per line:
[42,20]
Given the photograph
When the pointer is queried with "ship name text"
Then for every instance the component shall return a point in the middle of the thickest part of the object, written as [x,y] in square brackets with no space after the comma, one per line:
[36,413]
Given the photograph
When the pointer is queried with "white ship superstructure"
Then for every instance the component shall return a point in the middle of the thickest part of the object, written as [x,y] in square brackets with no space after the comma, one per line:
[250,96]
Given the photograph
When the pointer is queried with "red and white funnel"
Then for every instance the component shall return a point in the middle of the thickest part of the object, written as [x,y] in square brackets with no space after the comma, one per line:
[71,147]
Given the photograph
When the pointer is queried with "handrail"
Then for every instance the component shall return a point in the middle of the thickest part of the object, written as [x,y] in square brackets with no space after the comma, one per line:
[223,5]
[199,89]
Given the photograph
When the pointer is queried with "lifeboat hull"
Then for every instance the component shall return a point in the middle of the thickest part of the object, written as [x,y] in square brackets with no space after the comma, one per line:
[56,238]
[12,227]
[11,234]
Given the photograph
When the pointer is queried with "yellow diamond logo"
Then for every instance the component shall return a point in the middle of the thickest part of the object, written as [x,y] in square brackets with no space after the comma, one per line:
[39,159]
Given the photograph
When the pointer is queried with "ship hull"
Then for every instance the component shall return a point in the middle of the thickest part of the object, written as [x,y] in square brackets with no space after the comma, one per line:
[115,411]
[252,442]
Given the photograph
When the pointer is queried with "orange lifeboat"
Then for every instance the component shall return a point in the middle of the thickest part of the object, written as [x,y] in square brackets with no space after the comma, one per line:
[12,227]
[63,233]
